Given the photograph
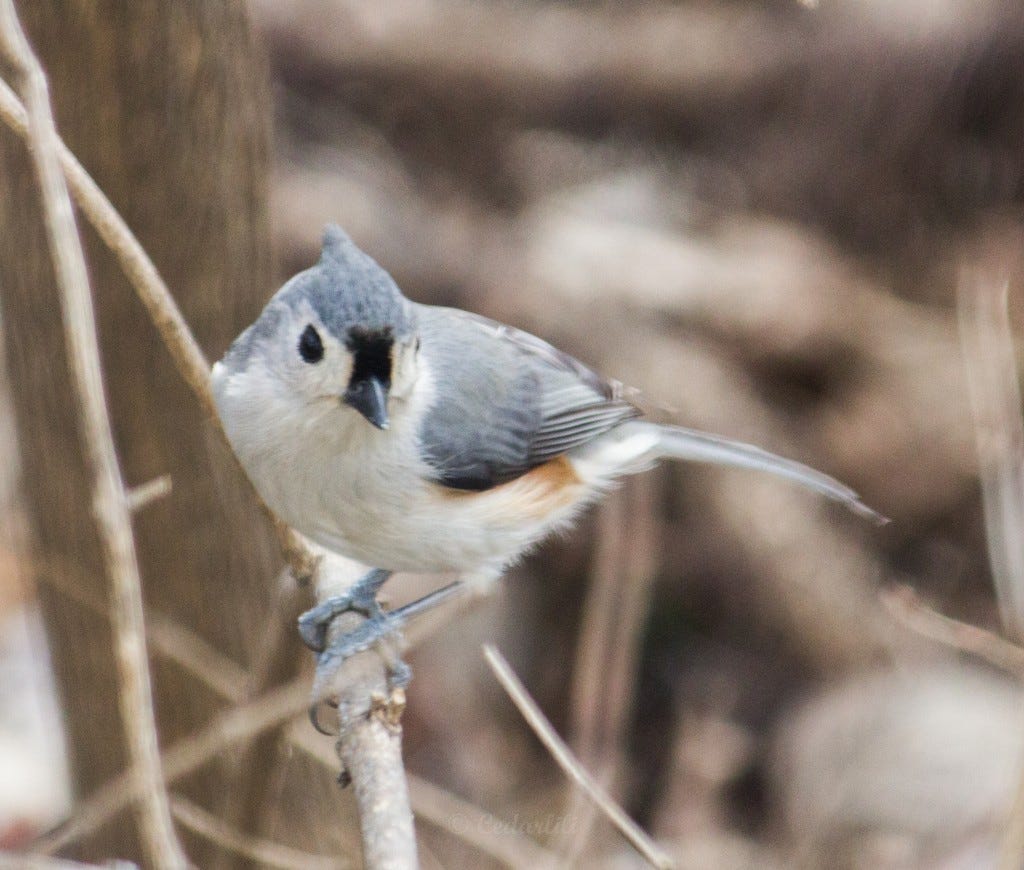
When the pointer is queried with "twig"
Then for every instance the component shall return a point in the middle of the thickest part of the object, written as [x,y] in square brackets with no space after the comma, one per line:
[987,344]
[137,266]
[908,609]
[990,365]
[264,852]
[563,756]
[197,657]
[467,822]
[142,274]
[145,494]
[110,506]
[234,726]
[370,749]
[42,862]
[606,653]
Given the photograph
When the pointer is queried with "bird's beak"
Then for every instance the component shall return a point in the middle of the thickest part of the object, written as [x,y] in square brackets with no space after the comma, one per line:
[369,396]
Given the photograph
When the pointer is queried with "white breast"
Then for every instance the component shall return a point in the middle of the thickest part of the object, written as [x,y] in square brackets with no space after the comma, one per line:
[366,494]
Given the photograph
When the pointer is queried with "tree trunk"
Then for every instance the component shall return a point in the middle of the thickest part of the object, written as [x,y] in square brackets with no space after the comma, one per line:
[166,105]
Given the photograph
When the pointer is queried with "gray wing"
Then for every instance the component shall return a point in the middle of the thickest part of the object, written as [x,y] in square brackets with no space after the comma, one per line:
[506,401]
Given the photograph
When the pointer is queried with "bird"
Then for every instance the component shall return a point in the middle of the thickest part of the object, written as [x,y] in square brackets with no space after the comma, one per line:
[413,437]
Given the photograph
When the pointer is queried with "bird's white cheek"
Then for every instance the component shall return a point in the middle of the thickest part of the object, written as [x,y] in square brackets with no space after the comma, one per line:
[405,374]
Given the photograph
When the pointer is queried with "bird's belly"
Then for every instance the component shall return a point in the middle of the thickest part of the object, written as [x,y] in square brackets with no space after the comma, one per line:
[390,518]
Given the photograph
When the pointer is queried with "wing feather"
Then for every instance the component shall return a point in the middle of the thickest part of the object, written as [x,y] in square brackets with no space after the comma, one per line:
[506,401]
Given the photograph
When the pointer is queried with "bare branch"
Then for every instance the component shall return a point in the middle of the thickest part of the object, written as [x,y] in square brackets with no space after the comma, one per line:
[147,493]
[264,852]
[987,346]
[234,726]
[547,735]
[110,507]
[908,609]
[986,342]
[468,822]
[604,673]
[370,749]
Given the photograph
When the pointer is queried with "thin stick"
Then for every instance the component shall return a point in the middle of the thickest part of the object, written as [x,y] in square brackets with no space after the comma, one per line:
[234,726]
[986,341]
[563,756]
[991,368]
[146,493]
[370,749]
[110,506]
[264,852]
[465,821]
[625,566]
[907,608]
[142,274]
[134,260]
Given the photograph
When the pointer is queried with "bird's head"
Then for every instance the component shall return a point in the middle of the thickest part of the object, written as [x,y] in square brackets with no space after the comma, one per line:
[338,333]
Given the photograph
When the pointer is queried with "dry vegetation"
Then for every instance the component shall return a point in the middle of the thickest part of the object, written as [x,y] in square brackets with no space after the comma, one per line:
[761,215]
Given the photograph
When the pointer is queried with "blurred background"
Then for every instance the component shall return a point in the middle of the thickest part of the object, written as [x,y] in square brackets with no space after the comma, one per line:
[757,212]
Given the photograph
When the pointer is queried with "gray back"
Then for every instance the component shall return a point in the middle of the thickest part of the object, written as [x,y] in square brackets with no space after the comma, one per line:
[506,401]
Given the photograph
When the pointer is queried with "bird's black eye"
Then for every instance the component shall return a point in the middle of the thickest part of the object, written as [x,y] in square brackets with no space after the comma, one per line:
[311,349]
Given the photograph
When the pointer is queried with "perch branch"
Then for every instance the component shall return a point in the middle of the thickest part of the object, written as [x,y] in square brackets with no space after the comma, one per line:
[467,822]
[109,502]
[547,735]
[370,750]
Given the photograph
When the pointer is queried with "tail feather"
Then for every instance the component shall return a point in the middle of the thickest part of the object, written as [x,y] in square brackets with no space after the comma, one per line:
[675,442]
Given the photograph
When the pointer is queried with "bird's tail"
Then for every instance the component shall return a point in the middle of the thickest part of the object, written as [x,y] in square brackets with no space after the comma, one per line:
[655,441]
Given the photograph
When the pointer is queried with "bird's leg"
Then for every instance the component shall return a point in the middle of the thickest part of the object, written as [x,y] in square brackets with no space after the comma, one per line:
[378,625]
[361,597]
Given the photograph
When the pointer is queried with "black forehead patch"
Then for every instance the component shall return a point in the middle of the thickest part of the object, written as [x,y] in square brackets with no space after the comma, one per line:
[371,350]
[362,336]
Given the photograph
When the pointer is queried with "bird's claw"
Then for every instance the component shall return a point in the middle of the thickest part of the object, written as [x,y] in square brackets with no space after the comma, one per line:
[356,641]
[379,624]
[342,648]
[361,597]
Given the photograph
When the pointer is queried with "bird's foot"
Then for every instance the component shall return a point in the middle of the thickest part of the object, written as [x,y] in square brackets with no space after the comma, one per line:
[379,626]
[376,628]
[361,597]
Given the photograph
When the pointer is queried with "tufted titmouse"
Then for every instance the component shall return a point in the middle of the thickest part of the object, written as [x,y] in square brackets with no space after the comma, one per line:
[416,438]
